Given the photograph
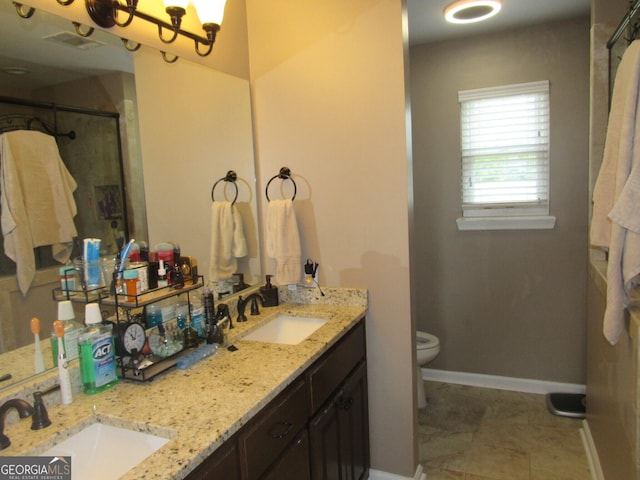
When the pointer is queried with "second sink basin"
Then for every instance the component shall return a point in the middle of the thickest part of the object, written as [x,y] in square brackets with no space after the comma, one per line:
[105,452]
[287,329]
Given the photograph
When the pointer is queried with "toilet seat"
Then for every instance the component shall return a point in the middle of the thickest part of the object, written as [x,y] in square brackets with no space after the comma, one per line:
[426,341]
[427,348]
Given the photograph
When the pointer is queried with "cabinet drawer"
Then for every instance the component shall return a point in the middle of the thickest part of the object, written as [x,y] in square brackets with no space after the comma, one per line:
[325,376]
[264,440]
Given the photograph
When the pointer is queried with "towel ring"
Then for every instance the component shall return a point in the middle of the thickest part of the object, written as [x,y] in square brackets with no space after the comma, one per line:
[284,174]
[231,176]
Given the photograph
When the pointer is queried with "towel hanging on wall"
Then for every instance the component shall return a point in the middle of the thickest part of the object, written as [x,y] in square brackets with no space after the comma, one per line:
[616,217]
[227,240]
[36,200]
[283,241]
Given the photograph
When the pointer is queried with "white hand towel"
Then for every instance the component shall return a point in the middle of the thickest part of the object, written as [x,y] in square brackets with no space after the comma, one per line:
[36,200]
[227,241]
[283,241]
[616,216]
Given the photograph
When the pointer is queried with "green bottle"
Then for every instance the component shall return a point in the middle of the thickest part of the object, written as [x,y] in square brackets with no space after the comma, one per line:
[97,353]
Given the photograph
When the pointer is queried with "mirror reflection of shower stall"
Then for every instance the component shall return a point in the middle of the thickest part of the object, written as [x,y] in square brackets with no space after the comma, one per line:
[90,147]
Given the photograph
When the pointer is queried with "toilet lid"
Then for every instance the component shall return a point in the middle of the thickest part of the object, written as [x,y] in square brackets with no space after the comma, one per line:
[426,340]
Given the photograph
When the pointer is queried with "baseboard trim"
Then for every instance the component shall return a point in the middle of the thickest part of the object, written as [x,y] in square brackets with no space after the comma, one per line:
[380,475]
[592,454]
[501,383]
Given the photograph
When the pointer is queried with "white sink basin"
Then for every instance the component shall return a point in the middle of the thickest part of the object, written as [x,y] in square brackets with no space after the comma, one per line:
[287,329]
[104,452]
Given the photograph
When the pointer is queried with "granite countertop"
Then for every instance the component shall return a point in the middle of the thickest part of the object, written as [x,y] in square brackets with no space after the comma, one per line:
[200,408]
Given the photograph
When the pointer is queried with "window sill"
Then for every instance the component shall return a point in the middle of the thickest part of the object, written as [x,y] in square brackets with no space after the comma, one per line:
[507,223]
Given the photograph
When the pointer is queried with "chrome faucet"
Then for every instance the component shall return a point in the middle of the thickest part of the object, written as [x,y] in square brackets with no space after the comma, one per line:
[24,410]
[242,304]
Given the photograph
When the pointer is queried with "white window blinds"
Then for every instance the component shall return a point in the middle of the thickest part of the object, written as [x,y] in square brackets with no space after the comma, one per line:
[505,150]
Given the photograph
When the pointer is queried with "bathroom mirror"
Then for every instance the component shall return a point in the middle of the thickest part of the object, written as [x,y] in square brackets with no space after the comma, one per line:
[145,221]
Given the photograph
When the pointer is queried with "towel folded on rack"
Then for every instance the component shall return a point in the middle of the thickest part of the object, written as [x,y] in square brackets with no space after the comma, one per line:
[283,241]
[227,240]
[36,201]
[616,217]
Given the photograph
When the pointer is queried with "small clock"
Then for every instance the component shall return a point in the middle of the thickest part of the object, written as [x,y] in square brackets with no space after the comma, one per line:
[130,336]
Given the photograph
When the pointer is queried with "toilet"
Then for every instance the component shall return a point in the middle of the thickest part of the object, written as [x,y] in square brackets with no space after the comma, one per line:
[427,348]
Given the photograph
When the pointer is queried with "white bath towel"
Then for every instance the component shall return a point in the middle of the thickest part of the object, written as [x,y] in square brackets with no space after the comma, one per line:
[36,200]
[227,241]
[616,212]
[283,241]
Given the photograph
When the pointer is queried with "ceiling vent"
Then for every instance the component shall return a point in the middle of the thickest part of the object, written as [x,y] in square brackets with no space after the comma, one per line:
[72,40]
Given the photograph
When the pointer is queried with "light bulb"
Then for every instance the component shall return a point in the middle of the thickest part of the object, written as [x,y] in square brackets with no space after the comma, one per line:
[210,11]
[176,3]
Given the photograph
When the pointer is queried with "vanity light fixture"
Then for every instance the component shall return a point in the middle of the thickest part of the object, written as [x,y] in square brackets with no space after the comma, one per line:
[107,13]
[469,11]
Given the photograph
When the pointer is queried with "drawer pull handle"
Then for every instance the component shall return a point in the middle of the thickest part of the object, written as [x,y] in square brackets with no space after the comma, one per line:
[281,430]
[344,403]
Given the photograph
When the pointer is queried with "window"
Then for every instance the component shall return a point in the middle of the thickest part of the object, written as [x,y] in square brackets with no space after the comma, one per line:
[505,157]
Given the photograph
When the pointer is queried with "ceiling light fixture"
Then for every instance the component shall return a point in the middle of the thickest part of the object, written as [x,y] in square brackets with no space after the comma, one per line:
[469,11]
[105,14]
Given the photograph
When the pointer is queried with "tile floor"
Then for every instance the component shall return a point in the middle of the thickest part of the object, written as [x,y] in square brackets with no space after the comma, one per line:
[469,433]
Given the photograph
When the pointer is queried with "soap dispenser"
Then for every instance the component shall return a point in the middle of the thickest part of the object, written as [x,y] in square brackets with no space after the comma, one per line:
[269,293]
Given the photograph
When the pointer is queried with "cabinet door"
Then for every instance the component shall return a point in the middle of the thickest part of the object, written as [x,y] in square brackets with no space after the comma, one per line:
[325,450]
[294,463]
[339,434]
[223,463]
[353,426]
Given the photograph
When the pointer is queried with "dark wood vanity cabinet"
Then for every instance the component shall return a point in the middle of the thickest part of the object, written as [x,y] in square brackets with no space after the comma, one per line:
[294,463]
[269,434]
[316,429]
[339,433]
[224,463]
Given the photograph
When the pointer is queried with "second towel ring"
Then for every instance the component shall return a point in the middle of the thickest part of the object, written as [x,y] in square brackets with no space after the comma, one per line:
[284,174]
[231,176]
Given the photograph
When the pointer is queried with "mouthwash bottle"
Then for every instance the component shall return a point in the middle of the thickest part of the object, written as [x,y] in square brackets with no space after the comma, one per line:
[97,353]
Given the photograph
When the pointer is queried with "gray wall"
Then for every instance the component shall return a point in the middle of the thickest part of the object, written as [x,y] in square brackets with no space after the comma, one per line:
[510,303]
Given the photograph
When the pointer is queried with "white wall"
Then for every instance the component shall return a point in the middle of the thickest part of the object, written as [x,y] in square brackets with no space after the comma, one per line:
[328,87]
[328,82]
[195,125]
